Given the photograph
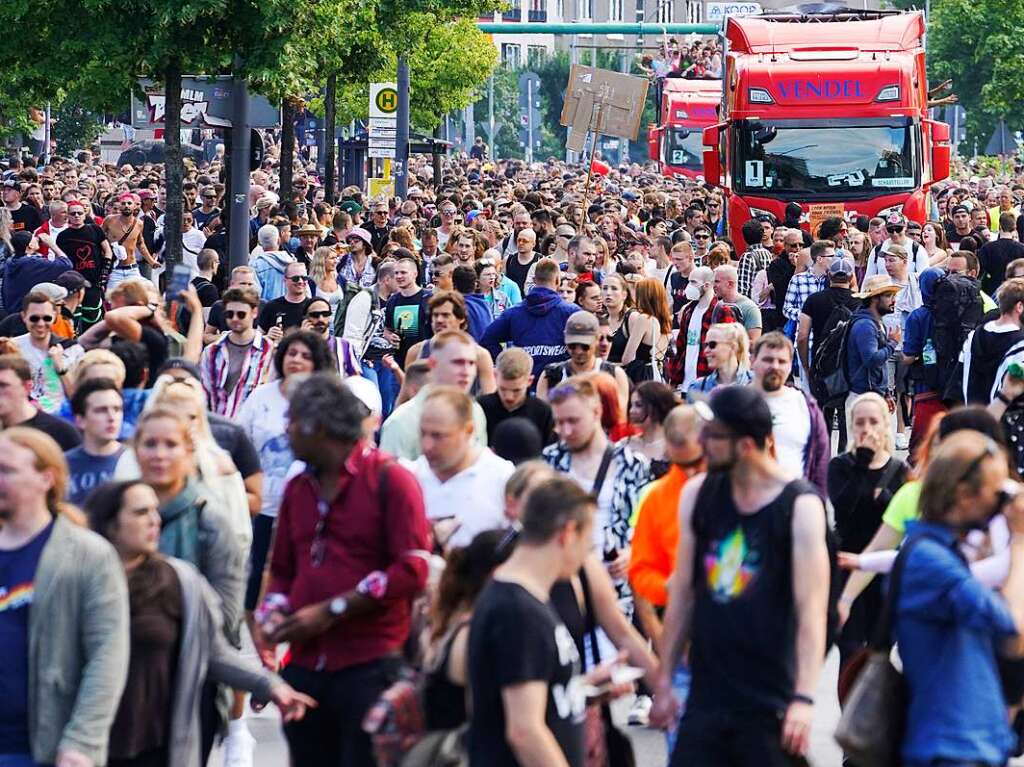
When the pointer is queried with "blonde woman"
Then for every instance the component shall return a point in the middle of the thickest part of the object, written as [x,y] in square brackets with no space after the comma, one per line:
[323,271]
[727,349]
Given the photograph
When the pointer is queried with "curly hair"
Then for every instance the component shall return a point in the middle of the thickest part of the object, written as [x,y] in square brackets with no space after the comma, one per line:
[312,341]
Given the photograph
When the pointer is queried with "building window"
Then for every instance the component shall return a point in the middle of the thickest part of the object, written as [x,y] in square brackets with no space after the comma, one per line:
[694,11]
[615,10]
[584,10]
[510,55]
[535,55]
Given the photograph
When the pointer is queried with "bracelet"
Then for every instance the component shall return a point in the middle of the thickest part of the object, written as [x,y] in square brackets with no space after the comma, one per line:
[801,698]
[1003,398]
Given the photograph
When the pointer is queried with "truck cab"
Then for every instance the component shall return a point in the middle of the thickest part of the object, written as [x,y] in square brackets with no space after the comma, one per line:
[830,112]
[687,107]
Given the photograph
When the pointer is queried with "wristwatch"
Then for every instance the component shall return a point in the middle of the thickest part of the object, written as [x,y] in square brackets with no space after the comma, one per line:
[338,606]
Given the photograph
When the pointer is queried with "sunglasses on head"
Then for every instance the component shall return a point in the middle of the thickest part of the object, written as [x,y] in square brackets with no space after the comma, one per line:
[297,278]
[47,318]
[230,314]
[319,315]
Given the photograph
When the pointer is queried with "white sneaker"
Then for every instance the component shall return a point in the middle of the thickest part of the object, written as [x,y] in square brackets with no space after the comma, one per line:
[902,440]
[640,713]
[239,745]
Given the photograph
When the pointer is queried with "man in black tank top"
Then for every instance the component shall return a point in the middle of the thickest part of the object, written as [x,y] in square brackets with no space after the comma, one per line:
[754,618]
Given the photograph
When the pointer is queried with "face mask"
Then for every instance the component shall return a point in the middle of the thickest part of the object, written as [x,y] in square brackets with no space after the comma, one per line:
[693,293]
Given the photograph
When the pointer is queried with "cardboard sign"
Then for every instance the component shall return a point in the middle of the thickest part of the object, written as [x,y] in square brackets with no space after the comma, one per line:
[819,211]
[604,102]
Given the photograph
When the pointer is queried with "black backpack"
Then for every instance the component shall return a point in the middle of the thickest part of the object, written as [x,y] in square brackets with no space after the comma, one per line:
[828,370]
[782,529]
[957,310]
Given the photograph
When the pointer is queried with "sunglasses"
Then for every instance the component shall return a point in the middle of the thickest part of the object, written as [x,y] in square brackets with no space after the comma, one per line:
[297,278]
[76,212]
[230,314]
[47,318]
[447,212]
[893,229]
[584,347]
[702,236]
[318,315]
[713,344]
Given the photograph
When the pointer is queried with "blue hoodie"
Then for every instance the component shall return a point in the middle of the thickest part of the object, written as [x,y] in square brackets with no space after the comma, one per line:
[917,338]
[23,273]
[537,326]
[478,315]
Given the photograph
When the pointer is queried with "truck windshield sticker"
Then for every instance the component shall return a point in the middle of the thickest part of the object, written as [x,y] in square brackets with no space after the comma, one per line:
[900,182]
[678,156]
[755,173]
[850,179]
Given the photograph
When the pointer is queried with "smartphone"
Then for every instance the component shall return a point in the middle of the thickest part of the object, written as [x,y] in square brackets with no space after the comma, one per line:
[178,282]
[620,675]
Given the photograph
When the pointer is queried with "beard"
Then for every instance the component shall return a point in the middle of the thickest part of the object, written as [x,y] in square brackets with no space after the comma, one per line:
[582,446]
[772,381]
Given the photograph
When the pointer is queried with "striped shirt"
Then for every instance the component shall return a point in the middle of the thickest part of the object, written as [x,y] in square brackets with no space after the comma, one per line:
[214,366]
[751,262]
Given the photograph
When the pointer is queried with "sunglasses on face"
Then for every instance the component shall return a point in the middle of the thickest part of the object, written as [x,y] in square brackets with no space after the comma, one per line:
[47,318]
[894,229]
[231,314]
[297,278]
[582,347]
[318,315]
[702,236]
[76,212]
[714,344]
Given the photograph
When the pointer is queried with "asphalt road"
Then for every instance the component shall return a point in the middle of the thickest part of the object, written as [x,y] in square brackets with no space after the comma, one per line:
[648,744]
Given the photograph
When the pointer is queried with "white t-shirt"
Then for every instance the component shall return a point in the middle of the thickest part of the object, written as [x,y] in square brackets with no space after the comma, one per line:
[474,496]
[47,391]
[693,347]
[791,427]
[262,415]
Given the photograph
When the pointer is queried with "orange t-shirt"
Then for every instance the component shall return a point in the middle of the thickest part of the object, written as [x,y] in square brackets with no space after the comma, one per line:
[656,537]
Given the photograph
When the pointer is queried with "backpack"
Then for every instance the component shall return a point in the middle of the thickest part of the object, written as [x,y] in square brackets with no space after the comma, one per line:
[782,531]
[557,372]
[829,380]
[350,291]
[959,300]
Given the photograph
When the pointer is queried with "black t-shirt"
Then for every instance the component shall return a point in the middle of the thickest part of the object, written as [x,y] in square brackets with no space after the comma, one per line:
[26,218]
[993,257]
[216,316]
[63,433]
[84,247]
[232,438]
[952,235]
[819,306]
[408,316]
[517,272]
[677,292]
[156,347]
[743,654]
[533,409]
[208,296]
[513,639]
[290,313]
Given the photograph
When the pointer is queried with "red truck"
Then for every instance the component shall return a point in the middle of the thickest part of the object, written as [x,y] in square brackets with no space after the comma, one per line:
[828,111]
[687,107]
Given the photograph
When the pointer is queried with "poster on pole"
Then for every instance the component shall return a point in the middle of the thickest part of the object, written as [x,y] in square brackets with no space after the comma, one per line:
[206,102]
[606,102]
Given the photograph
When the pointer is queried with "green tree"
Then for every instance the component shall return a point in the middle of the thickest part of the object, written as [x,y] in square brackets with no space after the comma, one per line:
[978,44]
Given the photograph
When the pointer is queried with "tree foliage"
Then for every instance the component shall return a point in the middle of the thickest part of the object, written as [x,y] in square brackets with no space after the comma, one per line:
[978,43]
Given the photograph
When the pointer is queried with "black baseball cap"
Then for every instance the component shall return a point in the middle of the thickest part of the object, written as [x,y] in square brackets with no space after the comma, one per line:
[72,281]
[180,363]
[743,410]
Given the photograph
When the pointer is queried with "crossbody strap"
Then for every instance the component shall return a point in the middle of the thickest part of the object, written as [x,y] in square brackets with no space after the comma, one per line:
[602,471]
[882,640]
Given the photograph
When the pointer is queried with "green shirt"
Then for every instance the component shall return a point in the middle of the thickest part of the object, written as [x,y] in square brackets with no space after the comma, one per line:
[400,434]
[903,507]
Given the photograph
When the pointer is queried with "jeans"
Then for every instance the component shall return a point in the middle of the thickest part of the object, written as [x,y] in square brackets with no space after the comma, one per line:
[121,273]
[331,735]
[711,738]
[386,383]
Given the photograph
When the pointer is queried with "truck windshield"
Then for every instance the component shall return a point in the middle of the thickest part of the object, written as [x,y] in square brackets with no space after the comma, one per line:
[784,158]
[684,147]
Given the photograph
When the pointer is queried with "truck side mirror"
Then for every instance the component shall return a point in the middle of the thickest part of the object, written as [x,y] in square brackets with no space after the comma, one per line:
[941,150]
[712,155]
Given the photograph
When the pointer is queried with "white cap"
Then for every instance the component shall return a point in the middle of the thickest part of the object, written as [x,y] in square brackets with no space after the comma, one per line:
[367,393]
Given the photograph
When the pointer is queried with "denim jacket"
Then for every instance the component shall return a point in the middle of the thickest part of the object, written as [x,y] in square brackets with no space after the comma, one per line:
[948,626]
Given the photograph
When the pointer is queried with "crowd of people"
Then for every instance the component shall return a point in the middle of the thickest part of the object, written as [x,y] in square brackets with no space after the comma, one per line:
[466,467]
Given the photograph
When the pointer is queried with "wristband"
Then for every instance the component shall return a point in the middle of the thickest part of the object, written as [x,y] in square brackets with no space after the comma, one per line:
[1003,398]
[801,698]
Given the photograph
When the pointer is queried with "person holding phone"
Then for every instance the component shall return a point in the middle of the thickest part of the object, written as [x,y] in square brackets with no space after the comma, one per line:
[288,311]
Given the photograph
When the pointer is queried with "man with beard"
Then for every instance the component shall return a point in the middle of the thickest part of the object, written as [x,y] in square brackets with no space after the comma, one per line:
[752,587]
[124,231]
[91,256]
[868,345]
[318,319]
[802,445]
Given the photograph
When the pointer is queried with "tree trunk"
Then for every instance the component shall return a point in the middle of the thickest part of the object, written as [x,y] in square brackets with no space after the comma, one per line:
[330,142]
[287,147]
[173,168]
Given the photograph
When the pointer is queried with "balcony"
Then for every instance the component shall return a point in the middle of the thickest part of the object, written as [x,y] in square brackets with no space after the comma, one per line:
[537,15]
[512,14]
